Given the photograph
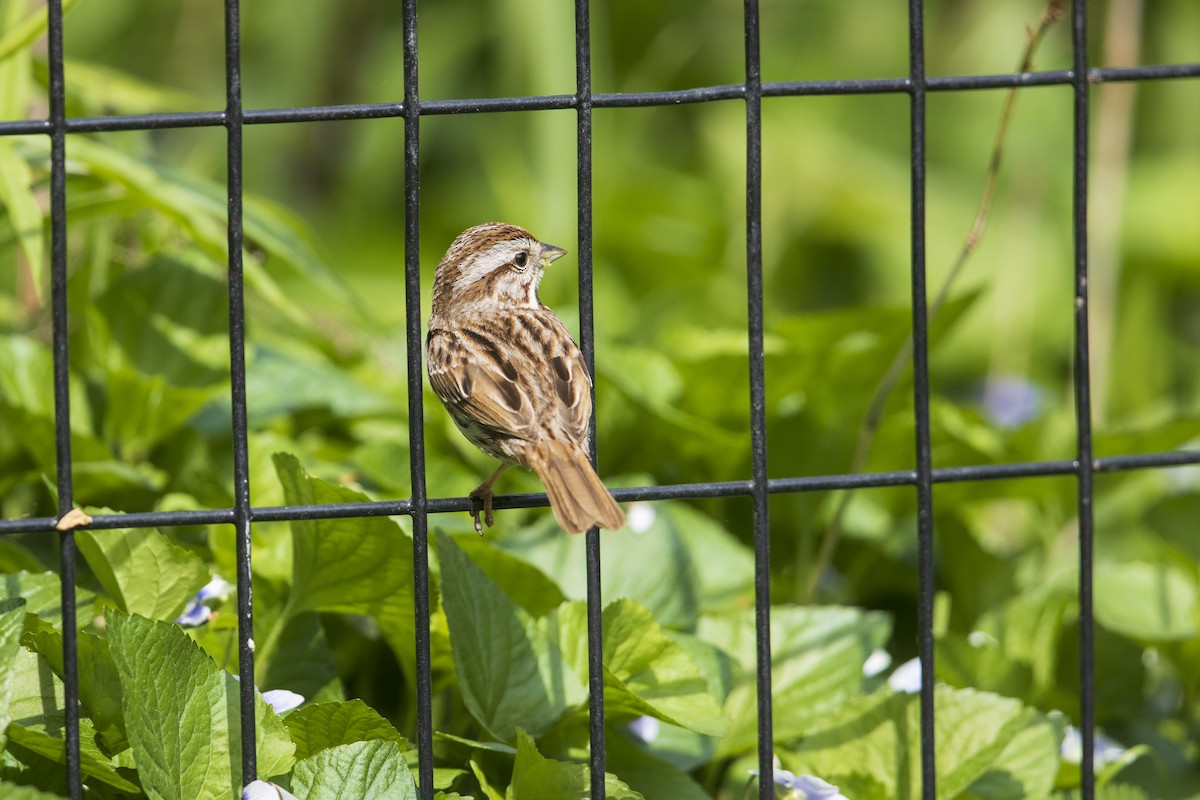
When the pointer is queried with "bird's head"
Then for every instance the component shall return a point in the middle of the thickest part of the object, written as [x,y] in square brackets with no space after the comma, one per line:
[493,262]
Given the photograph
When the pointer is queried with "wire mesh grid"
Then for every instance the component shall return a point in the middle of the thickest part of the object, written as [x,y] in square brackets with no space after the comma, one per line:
[757,486]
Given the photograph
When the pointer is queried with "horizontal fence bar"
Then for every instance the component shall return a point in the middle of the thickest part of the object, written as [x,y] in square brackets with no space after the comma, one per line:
[705,94]
[682,491]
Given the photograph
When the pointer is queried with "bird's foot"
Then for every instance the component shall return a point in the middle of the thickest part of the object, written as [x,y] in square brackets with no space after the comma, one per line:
[483,494]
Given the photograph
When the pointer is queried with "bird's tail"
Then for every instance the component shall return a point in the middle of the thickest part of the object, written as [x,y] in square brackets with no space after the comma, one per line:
[577,495]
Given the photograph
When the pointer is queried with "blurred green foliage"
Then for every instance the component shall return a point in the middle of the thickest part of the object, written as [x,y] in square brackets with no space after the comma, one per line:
[327,392]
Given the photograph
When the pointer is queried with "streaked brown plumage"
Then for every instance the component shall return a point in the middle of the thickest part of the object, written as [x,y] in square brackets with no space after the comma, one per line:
[510,374]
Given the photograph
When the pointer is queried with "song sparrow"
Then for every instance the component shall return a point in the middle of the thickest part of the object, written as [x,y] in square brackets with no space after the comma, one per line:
[510,374]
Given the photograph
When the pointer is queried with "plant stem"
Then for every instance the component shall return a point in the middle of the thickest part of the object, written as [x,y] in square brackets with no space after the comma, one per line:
[870,424]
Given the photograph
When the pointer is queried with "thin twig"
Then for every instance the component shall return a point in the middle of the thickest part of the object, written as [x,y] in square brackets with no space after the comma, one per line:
[895,370]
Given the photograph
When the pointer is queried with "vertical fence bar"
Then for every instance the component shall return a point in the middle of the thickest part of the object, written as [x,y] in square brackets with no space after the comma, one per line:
[595,607]
[62,392]
[237,376]
[920,323]
[758,412]
[416,407]
[1083,403]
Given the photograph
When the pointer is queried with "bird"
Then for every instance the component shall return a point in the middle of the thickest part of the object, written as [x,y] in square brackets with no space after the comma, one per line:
[510,375]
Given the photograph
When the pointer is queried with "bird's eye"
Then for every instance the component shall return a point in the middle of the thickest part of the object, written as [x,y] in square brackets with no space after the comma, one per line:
[519,259]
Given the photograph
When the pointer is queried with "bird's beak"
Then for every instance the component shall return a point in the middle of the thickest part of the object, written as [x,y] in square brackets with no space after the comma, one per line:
[550,253]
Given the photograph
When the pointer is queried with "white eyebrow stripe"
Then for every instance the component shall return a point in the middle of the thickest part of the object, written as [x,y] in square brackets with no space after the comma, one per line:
[485,262]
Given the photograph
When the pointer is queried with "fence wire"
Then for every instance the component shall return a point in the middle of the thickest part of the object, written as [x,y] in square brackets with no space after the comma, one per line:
[757,486]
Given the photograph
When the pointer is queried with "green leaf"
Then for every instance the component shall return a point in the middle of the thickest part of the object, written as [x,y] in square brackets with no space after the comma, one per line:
[145,409]
[816,664]
[167,319]
[39,721]
[648,775]
[646,673]
[324,725]
[509,671]
[27,31]
[42,593]
[875,740]
[678,563]
[24,213]
[524,583]
[372,769]
[99,683]
[12,618]
[536,777]
[142,570]
[355,566]
[12,791]
[1147,602]
[181,713]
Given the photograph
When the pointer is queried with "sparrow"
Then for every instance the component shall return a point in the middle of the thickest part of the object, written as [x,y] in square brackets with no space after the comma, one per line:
[510,375]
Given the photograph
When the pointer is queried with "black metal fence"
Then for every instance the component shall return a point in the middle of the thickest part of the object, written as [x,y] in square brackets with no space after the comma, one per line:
[756,486]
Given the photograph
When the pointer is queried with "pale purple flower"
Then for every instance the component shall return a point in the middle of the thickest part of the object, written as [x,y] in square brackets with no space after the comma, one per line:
[282,700]
[803,787]
[906,677]
[197,612]
[1105,749]
[262,790]
[1011,402]
[645,728]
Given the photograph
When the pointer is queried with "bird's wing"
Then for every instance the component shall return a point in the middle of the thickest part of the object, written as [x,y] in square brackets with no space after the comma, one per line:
[573,386]
[485,391]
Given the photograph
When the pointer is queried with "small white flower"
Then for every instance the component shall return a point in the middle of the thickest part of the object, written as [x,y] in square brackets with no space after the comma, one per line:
[282,700]
[645,728]
[876,663]
[641,516]
[262,790]
[979,639]
[906,677]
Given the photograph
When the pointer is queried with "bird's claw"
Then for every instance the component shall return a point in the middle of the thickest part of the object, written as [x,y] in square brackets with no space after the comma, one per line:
[484,496]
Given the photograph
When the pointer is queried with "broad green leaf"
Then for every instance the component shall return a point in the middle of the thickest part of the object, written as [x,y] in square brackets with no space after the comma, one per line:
[24,213]
[1028,765]
[145,409]
[27,381]
[167,319]
[477,771]
[524,583]
[474,744]
[42,593]
[181,713]
[300,659]
[877,739]
[1147,602]
[12,618]
[282,383]
[645,672]
[15,557]
[372,769]
[510,672]
[38,722]
[324,725]
[816,664]
[536,777]
[355,566]
[1113,791]
[646,774]
[99,684]
[144,572]
[676,562]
